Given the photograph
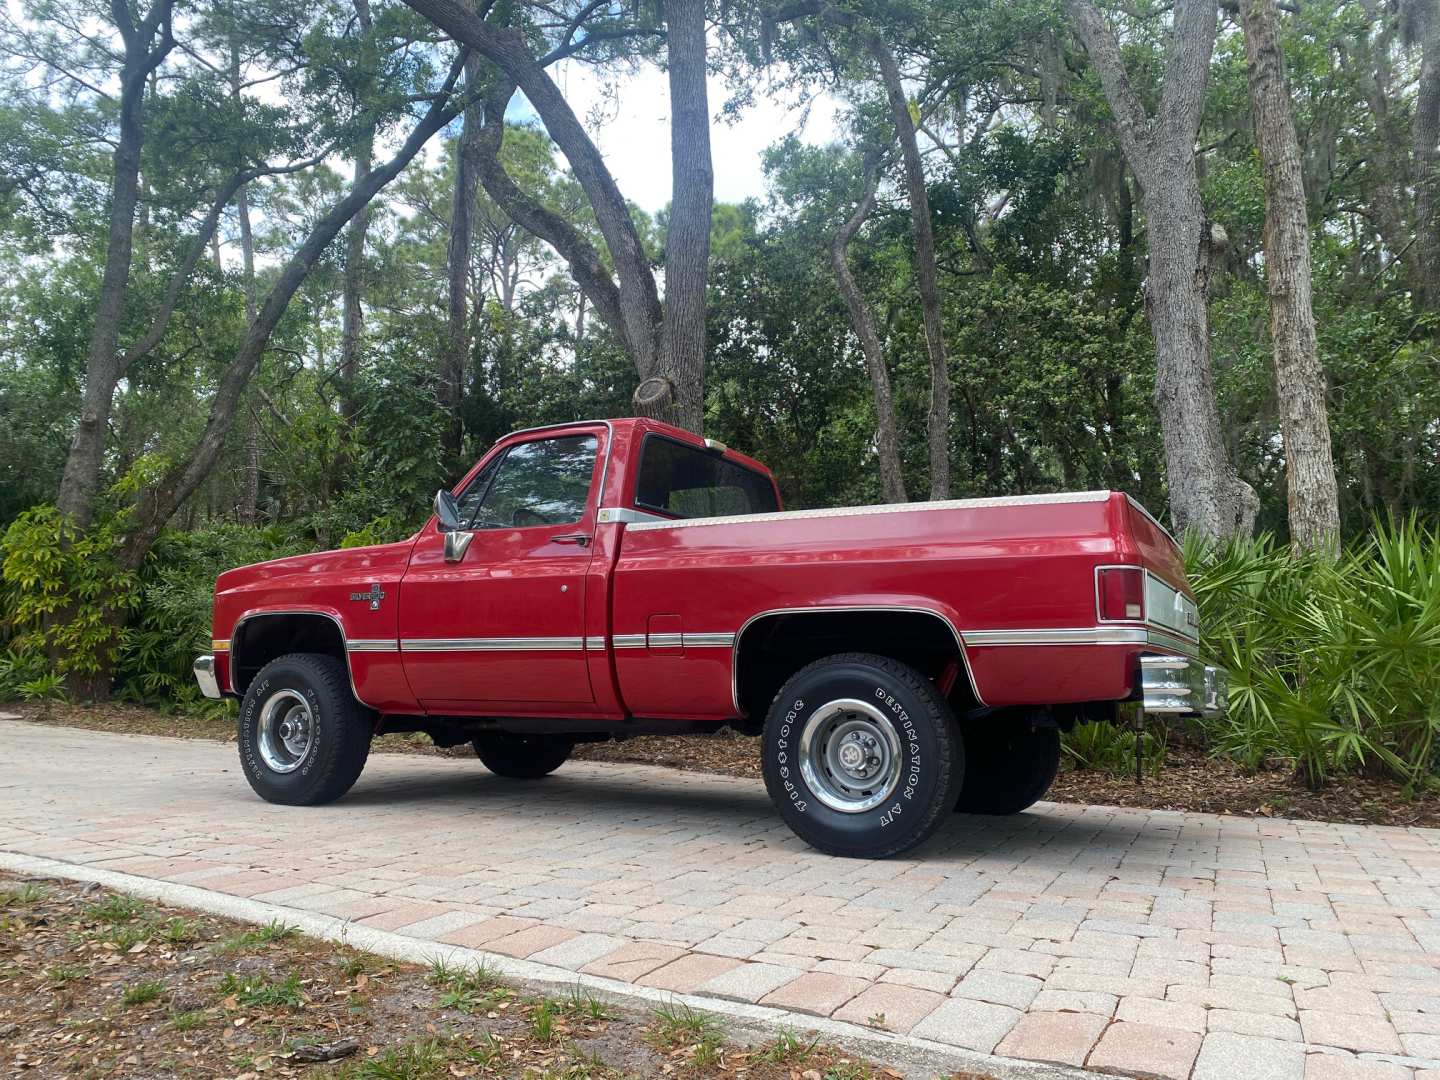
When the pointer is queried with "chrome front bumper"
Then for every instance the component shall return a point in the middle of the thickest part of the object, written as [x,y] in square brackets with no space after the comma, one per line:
[1179,686]
[204,668]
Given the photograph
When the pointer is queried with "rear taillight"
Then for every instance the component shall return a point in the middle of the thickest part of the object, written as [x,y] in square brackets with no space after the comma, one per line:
[1121,592]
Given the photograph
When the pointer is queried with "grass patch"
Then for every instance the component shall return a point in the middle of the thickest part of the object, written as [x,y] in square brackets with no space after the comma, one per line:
[466,989]
[261,935]
[260,992]
[143,993]
[24,895]
[581,1002]
[116,909]
[787,1048]
[178,931]
[61,974]
[188,1021]
[677,1024]
[427,1059]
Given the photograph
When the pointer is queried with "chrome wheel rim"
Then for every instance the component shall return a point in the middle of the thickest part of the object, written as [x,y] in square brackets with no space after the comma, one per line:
[286,731]
[850,755]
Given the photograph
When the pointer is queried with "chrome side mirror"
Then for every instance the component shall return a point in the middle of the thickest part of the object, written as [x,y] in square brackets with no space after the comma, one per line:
[457,537]
[447,510]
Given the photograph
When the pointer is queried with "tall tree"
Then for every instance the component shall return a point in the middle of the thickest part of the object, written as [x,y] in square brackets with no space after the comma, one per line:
[456,355]
[1206,494]
[937,422]
[906,120]
[1314,497]
[352,315]
[145,45]
[159,500]
[1425,141]
[887,442]
[629,302]
[676,389]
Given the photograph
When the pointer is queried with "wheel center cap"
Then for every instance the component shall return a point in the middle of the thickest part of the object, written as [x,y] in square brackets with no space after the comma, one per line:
[851,756]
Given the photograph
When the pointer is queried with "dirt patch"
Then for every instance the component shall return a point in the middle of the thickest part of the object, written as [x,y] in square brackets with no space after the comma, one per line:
[1190,780]
[95,983]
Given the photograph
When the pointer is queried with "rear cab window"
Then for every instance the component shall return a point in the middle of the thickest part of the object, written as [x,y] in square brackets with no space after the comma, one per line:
[684,481]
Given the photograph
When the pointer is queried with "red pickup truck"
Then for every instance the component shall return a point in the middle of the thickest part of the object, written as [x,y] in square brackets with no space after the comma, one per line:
[599,580]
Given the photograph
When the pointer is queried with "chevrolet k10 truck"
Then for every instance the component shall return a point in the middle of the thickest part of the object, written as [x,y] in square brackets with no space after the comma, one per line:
[599,580]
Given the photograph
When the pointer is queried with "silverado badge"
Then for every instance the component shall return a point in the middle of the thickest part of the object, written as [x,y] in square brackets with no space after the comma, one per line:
[375,595]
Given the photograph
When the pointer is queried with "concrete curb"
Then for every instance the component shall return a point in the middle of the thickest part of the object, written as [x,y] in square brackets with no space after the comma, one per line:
[748,1023]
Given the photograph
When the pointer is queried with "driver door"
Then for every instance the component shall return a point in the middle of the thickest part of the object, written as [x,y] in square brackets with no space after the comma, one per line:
[503,624]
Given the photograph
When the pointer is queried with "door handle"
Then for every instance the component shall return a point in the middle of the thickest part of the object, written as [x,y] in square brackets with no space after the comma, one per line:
[582,539]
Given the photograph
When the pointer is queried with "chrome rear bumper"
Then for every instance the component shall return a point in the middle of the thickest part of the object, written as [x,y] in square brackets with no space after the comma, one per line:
[204,668]
[1179,685]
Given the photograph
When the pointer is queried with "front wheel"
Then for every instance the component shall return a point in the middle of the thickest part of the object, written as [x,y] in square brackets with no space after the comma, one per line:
[522,757]
[303,736]
[862,756]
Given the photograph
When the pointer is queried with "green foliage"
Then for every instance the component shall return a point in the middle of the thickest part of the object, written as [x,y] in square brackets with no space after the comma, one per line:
[1334,663]
[1111,748]
[46,689]
[66,594]
[176,591]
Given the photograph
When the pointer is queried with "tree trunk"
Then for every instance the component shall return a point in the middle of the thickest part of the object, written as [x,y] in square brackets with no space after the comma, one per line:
[675,390]
[892,480]
[352,316]
[157,503]
[250,492]
[633,308]
[1314,498]
[937,423]
[1425,137]
[1205,493]
[250,495]
[457,261]
[143,54]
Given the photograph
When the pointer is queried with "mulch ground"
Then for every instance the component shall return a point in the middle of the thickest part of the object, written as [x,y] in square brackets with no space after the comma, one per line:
[99,984]
[1190,780]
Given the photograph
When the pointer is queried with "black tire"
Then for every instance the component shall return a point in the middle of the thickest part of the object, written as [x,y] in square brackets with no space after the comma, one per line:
[930,754]
[522,757]
[1012,766]
[340,728]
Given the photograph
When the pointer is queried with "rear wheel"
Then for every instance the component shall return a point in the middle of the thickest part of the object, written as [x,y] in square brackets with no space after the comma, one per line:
[303,736]
[862,756]
[1011,767]
[522,757]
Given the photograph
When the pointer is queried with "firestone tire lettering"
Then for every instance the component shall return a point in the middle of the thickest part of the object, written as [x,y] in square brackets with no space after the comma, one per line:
[931,753]
[340,739]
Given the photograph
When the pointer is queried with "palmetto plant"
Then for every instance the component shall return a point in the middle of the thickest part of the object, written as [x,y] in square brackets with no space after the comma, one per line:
[1334,663]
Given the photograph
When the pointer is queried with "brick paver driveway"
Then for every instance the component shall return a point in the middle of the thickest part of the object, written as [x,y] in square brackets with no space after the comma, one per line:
[1144,943]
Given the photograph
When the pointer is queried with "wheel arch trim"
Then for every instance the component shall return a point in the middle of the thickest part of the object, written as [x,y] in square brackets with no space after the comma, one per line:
[235,639]
[840,609]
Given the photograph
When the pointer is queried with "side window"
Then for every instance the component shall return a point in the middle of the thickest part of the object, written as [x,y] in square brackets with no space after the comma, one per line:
[545,482]
[689,482]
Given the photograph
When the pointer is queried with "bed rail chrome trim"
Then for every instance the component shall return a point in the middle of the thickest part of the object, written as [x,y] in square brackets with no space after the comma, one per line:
[595,643]
[627,641]
[879,508]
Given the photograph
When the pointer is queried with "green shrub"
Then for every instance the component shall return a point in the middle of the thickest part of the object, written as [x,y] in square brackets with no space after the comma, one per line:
[65,594]
[177,585]
[1334,663]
